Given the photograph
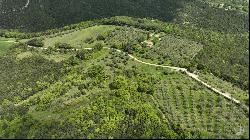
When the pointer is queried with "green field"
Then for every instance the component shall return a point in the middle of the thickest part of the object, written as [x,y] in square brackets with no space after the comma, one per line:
[4,45]
[77,38]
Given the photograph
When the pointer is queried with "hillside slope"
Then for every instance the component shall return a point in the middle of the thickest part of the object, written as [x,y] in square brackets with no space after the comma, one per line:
[124,69]
[47,14]
[107,95]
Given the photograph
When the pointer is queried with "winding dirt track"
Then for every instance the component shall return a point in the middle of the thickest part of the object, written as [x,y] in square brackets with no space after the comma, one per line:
[192,75]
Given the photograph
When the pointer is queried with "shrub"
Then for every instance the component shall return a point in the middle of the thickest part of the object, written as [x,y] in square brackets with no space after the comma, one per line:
[35,42]
[72,61]
[100,37]
[63,46]
[118,83]
[81,55]
[98,47]
[89,40]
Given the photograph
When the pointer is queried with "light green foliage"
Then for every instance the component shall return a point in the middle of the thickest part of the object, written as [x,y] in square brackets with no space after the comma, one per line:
[180,52]
[5,44]
[123,36]
[78,38]
[226,86]
[98,100]
[220,55]
[118,83]
[102,93]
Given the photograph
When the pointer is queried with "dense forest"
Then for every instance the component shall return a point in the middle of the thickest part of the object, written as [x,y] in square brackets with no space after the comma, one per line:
[48,14]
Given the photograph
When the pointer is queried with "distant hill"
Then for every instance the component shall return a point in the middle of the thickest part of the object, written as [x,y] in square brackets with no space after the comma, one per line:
[39,15]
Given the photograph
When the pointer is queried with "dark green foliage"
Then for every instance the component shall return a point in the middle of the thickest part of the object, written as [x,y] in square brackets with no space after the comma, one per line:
[34,73]
[72,61]
[63,46]
[98,47]
[81,55]
[89,40]
[228,59]
[128,48]
[58,31]
[146,84]
[20,45]
[95,71]
[47,14]
[202,15]
[50,14]
[35,42]
[100,37]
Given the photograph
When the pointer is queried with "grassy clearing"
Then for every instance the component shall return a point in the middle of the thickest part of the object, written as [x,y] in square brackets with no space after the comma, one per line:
[53,56]
[77,39]
[4,45]
[7,39]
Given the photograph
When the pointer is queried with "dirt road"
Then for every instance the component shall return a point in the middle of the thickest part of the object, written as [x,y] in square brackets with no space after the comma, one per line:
[192,75]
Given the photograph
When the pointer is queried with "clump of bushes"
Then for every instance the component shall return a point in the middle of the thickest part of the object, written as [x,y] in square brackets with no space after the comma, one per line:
[83,54]
[98,47]
[36,42]
[63,46]
[101,36]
